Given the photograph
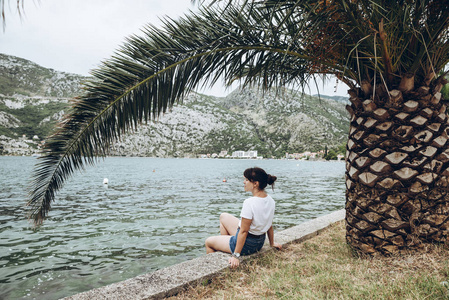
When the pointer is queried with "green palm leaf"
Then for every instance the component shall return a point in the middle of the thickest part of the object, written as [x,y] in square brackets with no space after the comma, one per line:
[271,43]
[146,76]
[19,7]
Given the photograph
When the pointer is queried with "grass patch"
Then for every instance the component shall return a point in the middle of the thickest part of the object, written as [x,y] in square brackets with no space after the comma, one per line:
[324,267]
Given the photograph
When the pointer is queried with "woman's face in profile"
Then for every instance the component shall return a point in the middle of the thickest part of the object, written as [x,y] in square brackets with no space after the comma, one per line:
[248,185]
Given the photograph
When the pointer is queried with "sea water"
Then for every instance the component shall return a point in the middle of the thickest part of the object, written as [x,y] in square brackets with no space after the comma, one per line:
[153,213]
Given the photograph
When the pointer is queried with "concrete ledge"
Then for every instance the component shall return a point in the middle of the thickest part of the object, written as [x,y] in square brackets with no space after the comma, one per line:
[171,280]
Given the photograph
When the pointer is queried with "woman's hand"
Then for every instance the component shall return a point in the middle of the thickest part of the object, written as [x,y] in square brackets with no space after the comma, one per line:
[234,262]
[277,246]
[273,244]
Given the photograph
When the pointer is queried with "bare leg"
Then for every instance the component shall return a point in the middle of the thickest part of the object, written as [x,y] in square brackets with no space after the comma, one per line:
[228,228]
[218,243]
[228,224]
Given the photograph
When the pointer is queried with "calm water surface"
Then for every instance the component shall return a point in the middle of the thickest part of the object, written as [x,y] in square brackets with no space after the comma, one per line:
[154,213]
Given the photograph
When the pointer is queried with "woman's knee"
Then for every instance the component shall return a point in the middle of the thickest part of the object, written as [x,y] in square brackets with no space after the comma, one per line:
[209,245]
[224,216]
[217,243]
[227,219]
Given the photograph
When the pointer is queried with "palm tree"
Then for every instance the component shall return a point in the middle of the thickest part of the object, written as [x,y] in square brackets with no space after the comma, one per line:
[388,52]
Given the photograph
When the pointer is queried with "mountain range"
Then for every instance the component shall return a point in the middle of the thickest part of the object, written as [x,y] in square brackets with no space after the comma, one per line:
[273,122]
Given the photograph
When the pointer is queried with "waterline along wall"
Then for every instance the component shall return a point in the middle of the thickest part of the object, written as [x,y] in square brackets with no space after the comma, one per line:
[171,280]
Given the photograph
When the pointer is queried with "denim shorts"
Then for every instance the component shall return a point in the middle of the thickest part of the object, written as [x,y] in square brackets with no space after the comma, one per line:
[252,245]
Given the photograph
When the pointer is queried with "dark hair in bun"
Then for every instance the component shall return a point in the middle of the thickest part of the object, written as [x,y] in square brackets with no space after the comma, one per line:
[258,174]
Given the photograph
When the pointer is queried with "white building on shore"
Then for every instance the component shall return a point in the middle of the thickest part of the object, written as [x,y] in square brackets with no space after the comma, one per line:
[244,154]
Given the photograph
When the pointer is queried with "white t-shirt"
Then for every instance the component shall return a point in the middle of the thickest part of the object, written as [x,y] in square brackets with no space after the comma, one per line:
[260,211]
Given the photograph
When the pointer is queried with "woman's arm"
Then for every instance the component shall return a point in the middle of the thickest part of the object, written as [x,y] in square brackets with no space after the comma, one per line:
[241,238]
[270,234]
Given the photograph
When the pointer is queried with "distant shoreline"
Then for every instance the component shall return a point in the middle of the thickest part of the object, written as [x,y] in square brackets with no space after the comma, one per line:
[218,158]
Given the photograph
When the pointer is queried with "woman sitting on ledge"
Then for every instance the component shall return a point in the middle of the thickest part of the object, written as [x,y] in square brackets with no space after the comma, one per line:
[247,236]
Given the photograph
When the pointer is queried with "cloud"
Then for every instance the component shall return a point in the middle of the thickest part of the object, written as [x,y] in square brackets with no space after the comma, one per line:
[75,36]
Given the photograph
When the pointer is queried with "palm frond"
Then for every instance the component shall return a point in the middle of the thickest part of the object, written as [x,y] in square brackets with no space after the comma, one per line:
[288,42]
[148,75]
[19,6]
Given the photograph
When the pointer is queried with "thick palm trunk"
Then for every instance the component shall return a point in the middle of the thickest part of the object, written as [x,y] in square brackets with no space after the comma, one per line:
[397,170]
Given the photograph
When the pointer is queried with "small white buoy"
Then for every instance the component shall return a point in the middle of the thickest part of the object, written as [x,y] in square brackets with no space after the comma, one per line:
[105,181]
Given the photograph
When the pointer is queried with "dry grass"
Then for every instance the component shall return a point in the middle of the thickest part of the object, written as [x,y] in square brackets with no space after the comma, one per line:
[325,268]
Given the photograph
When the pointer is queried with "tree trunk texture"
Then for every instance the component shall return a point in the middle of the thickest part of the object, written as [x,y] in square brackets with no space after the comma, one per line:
[397,171]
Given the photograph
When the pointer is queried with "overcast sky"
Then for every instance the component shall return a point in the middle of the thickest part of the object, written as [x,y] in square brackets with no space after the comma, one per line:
[75,36]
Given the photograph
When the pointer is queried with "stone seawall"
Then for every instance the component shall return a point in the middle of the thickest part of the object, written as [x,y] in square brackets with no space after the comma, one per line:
[171,280]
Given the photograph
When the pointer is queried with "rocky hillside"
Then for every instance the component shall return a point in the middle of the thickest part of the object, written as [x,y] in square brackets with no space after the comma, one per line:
[33,98]
[287,121]
[22,77]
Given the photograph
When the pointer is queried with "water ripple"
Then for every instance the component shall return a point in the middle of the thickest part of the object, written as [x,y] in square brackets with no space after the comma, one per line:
[142,220]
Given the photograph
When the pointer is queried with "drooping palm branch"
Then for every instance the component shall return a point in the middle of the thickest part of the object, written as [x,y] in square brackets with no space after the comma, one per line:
[273,43]
[19,7]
